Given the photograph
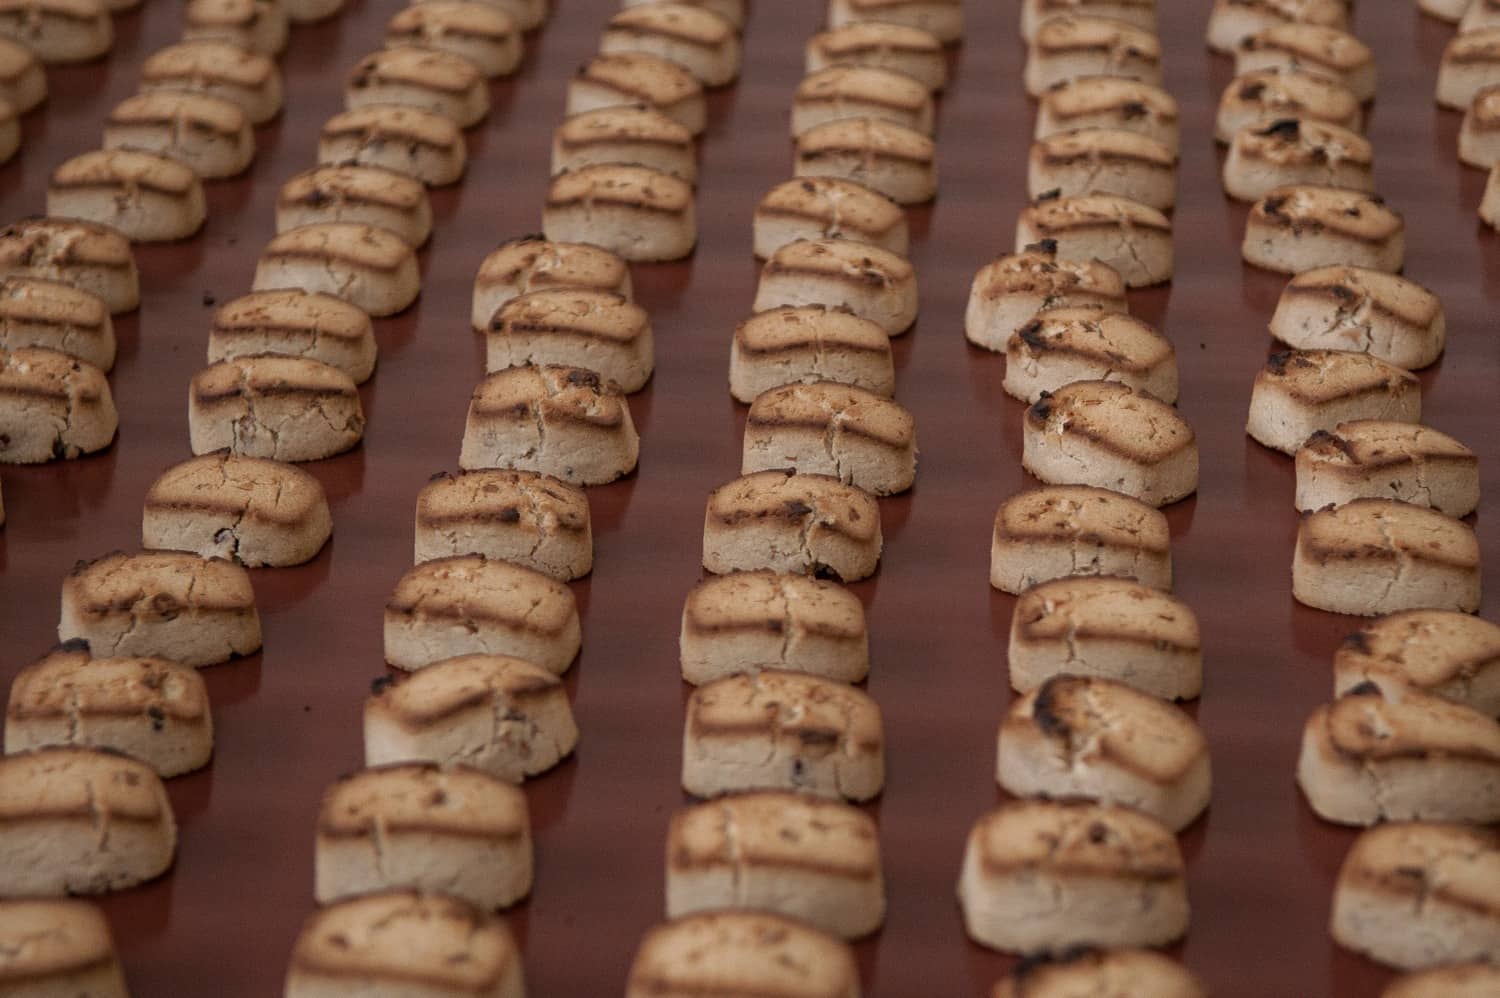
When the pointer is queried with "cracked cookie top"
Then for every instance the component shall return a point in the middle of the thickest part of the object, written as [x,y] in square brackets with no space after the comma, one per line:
[1426,647]
[872,139]
[532,263]
[1075,838]
[343,245]
[819,716]
[416,797]
[1082,514]
[41,938]
[1387,530]
[1426,862]
[621,185]
[809,500]
[1133,424]
[517,500]
[448,688]
[1317,377]
[841,206]
[833,409]
[1354,291]
[473,589]
[1105,608]
[157,585]
[770,829]
[248,488]
[376,124]
[95,785]
[1367,724]
[790,605]
[67,684]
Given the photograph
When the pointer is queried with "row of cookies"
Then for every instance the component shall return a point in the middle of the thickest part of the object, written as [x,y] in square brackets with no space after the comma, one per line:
[624,160]
[777,861]
[438,756]
[1098,646]
[1469,81]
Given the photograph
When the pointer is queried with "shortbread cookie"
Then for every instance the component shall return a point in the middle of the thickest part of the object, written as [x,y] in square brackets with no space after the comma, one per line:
[23,81]
[1069,46]
[147,708]
[427,79]
[641,214]
[1420,895]
[218,69]
[732,11]
[1313,47]
[59,31]
[145,197]
[749,622]
[35,312]
[803,344]
[882,45]
[1064,345]
[296,323]
[1378,459]
[628,78]
[1070,530]
[533,263]
[1105,434]
[1269,94]
[1044,875]
[1269,155]
[1302,227]
[82,821]
[828,208]
[741,953]
[483,33]
[1009,292]
[785,522]
[1232,21]
[840,92]
[244,509]
[1400,755]
[352,193]
[59,948]
[1085,971]
[532,520]
[827,428]
[363,264]
[777,730]
[472,606]
[385,942]
[1104,161]
[695,38]
[579,327]
[1110,628]
[1300,392]
[1442,652]
[1091,738]
[1139,13]
[274,406]
[1369,311]
[566,422]
[1463,980]
[1470,63]
[1376,556]
[419,826]
[258,26]
[1479,135]
[162,604]
[500,715]
[1109,102]
[639,136]
[943,19]
[897,161]
[788,854]
[1480,16]
[870,282]
[210,134]
[52,406]
[93,258]
[1133,239]
[421,144]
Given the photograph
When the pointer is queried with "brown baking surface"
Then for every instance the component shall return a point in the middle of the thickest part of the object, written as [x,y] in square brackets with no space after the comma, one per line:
[1261,866]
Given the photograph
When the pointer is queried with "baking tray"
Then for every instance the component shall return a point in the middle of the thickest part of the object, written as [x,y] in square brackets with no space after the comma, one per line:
[1261,866]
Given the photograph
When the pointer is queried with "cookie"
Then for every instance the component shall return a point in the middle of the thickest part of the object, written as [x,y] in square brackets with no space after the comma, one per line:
[1112,102]
[1463,980]
[641,214]
[1303,227]
[1378,459]
[1140,971]
[483,33]
[639,136]
[628,78]
[59,947]
[1285,92]
[1300,392]
[500,715]
[244,509]
[1064,345]
[427,79]
[218,69]
[1139,13]
[566,422]
[161,604]
[742,953]
[694,37]
[1469,64]
[897,161]
[882,45]
[1314,47]
[1479,135]
[259,26]
[534,263]
[470,605]
[421,144]
[211,135]
[1131,238]
[35,312]
[365,265]
[1232,21]
[1351,308]
[841,92]
[751,622]
[52,407]
[1376,556]
[1442,652]
[1069,46]
[1075,530]
[785,522]
[368,195]
[23,81]
[1012,290]
[1104,161]
[532,520]
[145,197]
[807,343]
[297,323]
[1269,155]
[59,31]
[826,428]
[90,257]
[828,208]
[276,407]
[870,282]
[574,327]
[943,19]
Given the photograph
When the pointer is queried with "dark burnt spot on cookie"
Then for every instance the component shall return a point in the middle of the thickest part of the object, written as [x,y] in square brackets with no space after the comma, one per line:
[1284,129]
[1364,689]
[1044,712]
[1031,335]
